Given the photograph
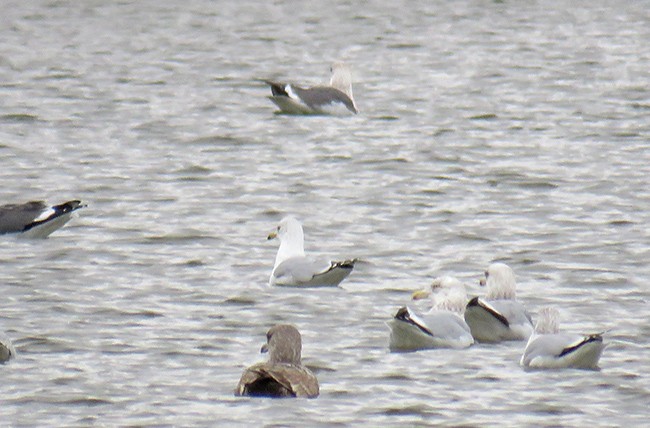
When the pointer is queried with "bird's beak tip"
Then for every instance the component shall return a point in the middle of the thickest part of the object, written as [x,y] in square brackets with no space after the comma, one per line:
[419,295]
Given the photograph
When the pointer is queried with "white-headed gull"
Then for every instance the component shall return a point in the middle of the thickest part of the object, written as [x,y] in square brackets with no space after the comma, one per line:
[442,327]
[547,348]
[292,268]
[499,316]
[333,99]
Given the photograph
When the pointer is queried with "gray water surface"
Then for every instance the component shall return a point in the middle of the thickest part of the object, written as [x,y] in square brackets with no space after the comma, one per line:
[510,131]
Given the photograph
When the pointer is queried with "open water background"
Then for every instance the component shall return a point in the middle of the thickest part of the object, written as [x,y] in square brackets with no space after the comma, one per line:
[489,130]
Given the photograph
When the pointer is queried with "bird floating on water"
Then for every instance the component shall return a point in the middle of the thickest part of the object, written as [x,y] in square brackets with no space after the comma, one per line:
[499,316]
[336,98]
[293,269]
[36,219]
[442,327]
[283,375]
[547,348]
[7,350]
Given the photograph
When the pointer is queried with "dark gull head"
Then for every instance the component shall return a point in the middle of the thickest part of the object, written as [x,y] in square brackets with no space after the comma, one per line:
[282,375]
[284,344]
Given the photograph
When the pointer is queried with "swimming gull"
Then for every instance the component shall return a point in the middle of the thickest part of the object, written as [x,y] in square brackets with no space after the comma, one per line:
[36,219]
[547,348]
[7,350]
[293,269]
[333,99]
[441,327]
[283,375]
[500,316]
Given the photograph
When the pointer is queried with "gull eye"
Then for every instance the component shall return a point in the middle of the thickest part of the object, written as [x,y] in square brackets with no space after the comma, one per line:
[268,336]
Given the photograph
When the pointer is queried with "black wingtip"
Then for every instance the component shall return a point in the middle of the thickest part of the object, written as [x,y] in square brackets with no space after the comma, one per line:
[345,264]
[473,302]
[277,89]
[402,313]
[68,207]
[59,210]
[587,339]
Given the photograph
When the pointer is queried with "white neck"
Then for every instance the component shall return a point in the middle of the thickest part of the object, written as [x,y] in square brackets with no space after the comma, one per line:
[291,243]
[501,283]
[548,321]
[341,86]
[342,79]
[452,299]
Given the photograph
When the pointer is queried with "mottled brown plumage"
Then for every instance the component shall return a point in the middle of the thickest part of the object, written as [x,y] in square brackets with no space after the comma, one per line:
[283,374]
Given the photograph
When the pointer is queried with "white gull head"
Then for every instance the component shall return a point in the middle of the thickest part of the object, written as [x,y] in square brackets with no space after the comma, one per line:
[335,98]
[342,79]
[448,294]
[500,282]
[292,241]
[548,321]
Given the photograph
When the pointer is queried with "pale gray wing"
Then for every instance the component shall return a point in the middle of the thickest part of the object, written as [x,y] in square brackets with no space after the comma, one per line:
[305,271]
[514,311]
[436,329]
[15,217]
[550,346]
[497,320]
[301,269]
[319,97]
[291,98]
[445,324]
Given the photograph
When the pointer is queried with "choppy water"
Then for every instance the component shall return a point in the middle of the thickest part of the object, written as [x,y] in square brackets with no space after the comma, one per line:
[513,131]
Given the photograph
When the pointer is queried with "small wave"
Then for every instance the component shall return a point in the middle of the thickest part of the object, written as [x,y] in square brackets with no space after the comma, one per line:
[19,117]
